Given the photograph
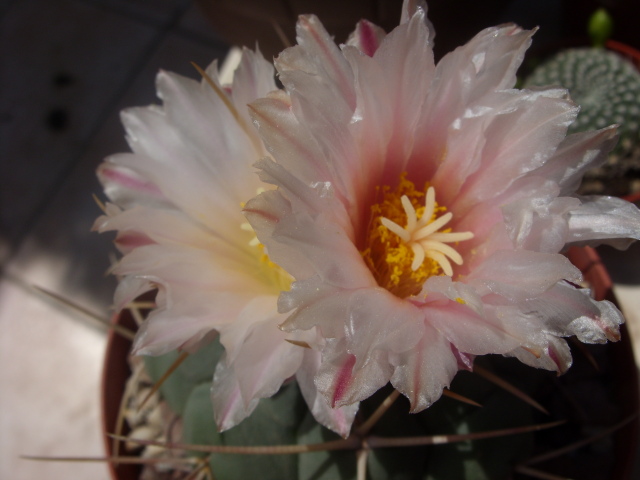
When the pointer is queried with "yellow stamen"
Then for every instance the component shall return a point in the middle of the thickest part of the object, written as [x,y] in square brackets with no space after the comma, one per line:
[402,258]
[272,272]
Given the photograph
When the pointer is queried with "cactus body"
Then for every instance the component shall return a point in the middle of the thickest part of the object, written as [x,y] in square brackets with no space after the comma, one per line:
[607,88]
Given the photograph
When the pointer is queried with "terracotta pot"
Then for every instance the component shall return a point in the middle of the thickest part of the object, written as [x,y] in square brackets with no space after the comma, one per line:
[115,374]
[624,374]
[626,51]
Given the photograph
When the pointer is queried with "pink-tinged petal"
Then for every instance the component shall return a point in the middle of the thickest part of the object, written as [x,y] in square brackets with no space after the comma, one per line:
[342,379]
[487,63]
[423,372]
[486,221]
[484,65]
[565,310]
[300,241]
[322,95]
[337,419]
[604,220]
[465,360]
[538,220]
[325,113]
[550,353]
[521,274]
[316,304]
[128,289]
[254,78]
[264,360]
[282,132]
[316,49]
[341,383]
[458,154]
[516,143]
[193,164]
[126,242]
[192,110]
[575,155]
[264,213]
[372,124]
[389,101]
[259,312]
[473,333]
[463,320]
[410,8]
[405,94]
[193,299]
[190,187]
[366,37]
[357,140]
[127,187]
[167,227]
[380,321]
[177,265]
[163,332]
[229,408]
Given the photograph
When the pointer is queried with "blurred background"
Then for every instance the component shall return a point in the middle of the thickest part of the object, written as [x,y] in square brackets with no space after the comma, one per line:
[67,67]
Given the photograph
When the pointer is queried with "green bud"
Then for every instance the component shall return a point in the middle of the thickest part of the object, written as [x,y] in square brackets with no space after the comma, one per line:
[600,27]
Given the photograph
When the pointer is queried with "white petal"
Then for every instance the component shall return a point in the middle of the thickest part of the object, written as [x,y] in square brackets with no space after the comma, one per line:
[538,220]
[264,360]
[128,289]
[337,419]
[378,320]
[576,154]
[229,408]
[341,383]
[604,220]
[254,78]
[467,323]
[486,64]
[551,353]
[517,143]
[127,187]
[521,274]
[282,132]
[565,310]
[408,77]
[422,373]
[315,238]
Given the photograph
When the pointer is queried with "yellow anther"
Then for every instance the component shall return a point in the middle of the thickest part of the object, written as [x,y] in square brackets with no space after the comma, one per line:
[271,271]
[423,237]
[403,257]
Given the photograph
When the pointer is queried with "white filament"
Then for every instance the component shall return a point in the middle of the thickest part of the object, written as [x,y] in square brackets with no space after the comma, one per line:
[423,236]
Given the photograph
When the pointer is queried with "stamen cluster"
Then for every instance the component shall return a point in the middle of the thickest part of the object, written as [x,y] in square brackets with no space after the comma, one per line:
[402,258]
[422,236]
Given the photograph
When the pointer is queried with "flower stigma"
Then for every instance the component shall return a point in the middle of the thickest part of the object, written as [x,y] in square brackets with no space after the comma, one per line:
[402,258]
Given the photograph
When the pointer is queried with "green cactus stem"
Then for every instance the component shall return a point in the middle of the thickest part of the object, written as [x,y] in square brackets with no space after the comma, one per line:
[607,88]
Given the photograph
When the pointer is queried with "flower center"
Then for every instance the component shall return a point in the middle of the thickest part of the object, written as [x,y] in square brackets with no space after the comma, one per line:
[402,258]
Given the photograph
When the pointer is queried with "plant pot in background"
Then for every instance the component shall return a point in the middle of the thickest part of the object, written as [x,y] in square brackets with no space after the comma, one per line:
[619,368]
[115,373]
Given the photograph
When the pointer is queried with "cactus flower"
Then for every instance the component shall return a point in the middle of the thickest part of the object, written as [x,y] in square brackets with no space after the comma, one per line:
[422,209]
[177,210]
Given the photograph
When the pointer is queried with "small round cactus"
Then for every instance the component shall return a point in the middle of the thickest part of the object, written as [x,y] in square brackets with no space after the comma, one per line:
[607,87]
